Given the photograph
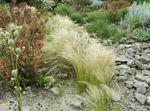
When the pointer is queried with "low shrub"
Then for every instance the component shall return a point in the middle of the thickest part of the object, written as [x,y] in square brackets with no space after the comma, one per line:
[63,9]
[80,4]
[101,28]
[115,16]
[117,4]
[141,34]
[96,15]
[98,23]
[22,28]
[77,17]
[138,15]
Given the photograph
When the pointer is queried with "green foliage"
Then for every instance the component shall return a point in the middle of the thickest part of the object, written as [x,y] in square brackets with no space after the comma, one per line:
[118,36]
[80,4]
[142,34]
[63,9]
[98,98]
[77,17]
[95,16]
[140,1]
[45,81]
[115,16]
[101,28]
[98,24]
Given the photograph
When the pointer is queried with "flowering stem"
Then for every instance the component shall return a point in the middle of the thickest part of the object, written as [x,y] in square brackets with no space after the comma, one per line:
[18,90]
[11,54]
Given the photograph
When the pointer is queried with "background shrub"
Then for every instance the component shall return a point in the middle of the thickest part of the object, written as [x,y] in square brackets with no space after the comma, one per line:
[138,15]
[63,9]
[77,17]
[115,16]
[117,4]
[98,23]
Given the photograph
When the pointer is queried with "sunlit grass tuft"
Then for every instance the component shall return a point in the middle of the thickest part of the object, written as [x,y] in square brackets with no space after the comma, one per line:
[92,62]
[98,98]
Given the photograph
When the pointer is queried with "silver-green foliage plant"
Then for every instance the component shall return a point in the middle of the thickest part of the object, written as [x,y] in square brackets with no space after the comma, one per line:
[46,5]
[137,15]
[141,34]
[96,4]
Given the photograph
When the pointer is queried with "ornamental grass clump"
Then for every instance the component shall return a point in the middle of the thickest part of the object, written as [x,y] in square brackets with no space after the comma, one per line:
[92,62]
[98,98]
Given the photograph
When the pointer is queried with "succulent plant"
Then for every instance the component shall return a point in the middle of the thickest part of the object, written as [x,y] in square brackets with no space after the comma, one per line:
[141,34]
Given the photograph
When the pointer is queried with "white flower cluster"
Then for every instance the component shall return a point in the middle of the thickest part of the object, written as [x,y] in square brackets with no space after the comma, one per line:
[12,31]
[137,14]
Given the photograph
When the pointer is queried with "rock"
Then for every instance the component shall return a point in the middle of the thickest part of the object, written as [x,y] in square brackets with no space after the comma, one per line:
[146,72]
[128,45]
[130,51]
[56,91]
[137,56]
[145,45]
[77,105]
[147,79]
[148,56]
[144,60]
[122,78]
[140,87]
[129,84]
[147,93]
[123,73]
[121,60]
[140,77]
[140,98]
[138,83]
[123,66]
[115,96]
[148,100]
[141,90]
[143,78]
[131,71]
[130,63]
[139,65]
